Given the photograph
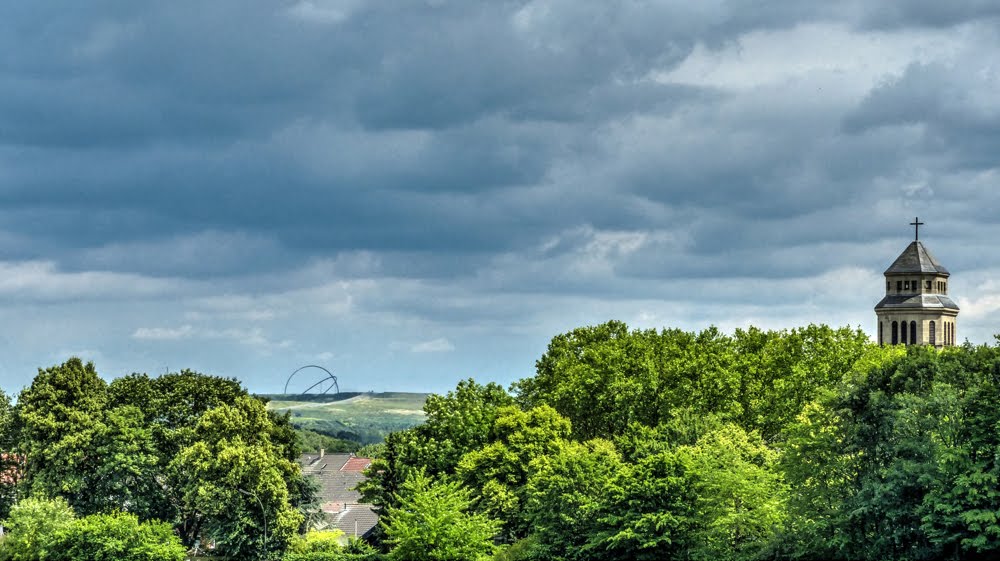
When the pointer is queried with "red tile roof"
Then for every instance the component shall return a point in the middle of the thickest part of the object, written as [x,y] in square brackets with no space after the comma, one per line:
[356,464]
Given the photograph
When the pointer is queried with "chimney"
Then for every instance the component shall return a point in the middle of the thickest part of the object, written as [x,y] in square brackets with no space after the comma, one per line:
[322,452]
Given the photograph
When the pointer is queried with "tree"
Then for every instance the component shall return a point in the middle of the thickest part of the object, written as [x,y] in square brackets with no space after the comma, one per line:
[118,536]
[924,430]
[499,470]
[126,472]
[174,403]
[456,424]
[60,419]
[820,475]
[171,408]
[741,497]
[779,372]
[567,495]
[433,523]
[720,497]
[604,378]
[884,427]
[179,448]
[32,526]
[650,512]
[232,481]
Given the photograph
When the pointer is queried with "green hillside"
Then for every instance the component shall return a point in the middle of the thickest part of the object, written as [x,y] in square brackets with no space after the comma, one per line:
[362,417]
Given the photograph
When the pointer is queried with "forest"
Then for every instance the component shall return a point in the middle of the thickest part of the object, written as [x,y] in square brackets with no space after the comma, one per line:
[807,443]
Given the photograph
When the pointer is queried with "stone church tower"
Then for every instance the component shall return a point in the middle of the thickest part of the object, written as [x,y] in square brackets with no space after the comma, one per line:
[916,309]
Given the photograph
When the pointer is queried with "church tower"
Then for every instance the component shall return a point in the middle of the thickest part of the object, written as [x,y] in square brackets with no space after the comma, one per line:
[916,309]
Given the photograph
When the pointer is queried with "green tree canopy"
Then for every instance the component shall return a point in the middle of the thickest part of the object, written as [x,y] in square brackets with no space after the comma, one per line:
[499,470]
[60,420]
[232,482]
[567,498]
[433,522]
[31,528]
[604,378]
[177,448]
[456,423]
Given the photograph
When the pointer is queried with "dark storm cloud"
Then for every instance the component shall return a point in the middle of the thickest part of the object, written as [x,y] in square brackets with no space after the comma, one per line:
[927,13]
[960,119]
[406,167]
[156,120]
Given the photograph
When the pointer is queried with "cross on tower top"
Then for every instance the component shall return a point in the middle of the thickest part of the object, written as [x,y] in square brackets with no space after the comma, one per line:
[916,224]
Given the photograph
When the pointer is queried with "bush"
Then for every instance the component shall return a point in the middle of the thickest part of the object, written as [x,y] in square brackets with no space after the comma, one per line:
[316,541]
[333,556]
[115,537]
[32,524]
[325,546]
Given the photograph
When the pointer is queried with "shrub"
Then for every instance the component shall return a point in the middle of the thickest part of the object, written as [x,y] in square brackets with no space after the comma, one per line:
[31,526]
[325,546]
[115,537]
[315,541]
[333,556]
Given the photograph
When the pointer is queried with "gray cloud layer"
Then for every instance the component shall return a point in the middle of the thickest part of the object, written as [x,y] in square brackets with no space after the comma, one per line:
[243,186]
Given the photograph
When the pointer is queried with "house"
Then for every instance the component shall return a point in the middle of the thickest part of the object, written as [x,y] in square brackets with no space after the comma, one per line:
[338,476]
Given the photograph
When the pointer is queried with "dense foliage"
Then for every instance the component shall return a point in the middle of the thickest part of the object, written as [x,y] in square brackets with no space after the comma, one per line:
[433,522]
[194,451]
[48,530]
[807,444]
[312,441]
[811,443]
[31,527]
[118,537]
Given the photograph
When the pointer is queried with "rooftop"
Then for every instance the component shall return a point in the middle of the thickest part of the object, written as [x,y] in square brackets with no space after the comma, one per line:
[917,301]
[338,476]
[916,259]
[356,521]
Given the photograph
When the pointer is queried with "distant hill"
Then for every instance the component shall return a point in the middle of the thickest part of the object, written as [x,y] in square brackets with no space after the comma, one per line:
[362,417]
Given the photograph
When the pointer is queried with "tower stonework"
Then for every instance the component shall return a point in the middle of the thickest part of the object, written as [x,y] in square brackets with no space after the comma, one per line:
[916,309]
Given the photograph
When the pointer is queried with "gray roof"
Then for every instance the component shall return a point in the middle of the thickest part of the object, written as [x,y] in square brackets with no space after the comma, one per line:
[336,484]
[338,476]
[910,301]
[356,521]
[916,259]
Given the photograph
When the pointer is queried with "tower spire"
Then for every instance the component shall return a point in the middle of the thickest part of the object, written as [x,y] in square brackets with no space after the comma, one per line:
[916,224]
[916,309]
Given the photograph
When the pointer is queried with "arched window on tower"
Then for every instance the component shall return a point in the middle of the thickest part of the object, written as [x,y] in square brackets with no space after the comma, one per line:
[895,333]
[913,333]
[933,335]
[881,340]
[902,332]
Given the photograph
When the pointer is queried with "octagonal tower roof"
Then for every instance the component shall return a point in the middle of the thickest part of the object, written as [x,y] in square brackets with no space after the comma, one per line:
[916,259]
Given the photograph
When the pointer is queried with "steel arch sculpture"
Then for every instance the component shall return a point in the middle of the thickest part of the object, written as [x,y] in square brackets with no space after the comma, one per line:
[330,379]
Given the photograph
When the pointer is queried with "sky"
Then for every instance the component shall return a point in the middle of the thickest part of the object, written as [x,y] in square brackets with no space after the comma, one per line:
[414,192]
